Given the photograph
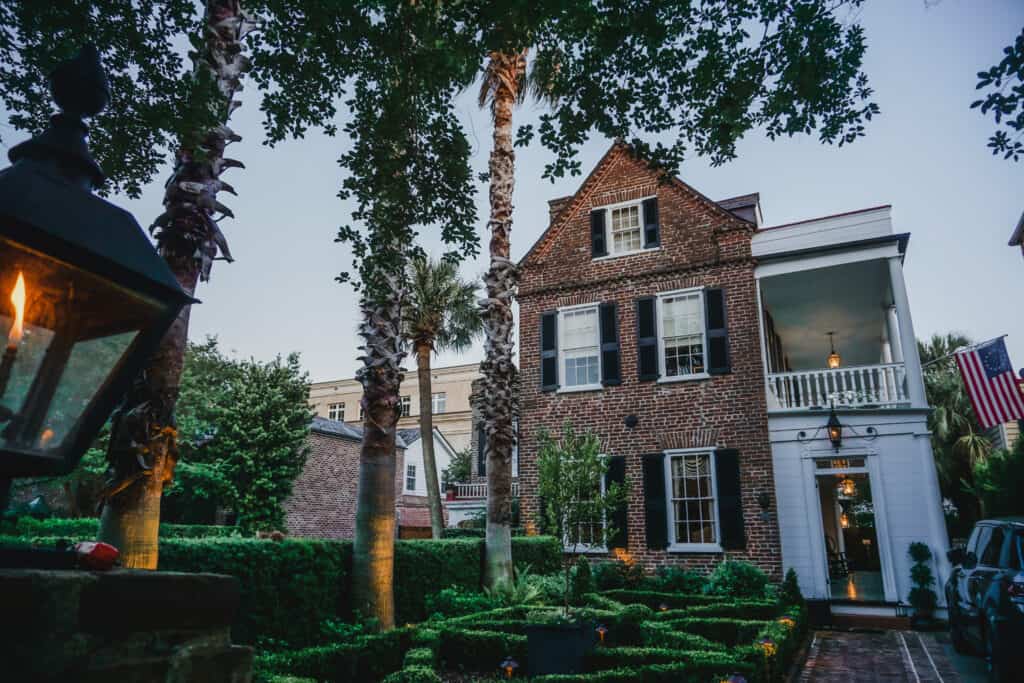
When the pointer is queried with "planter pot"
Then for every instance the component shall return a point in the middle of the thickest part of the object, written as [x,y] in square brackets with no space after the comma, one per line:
[558,648]
[449,494]
[924,620]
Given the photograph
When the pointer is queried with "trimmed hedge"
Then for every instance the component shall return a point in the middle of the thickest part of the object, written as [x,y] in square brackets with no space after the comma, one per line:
[542,553]
[729,632]
[414,674]
[366,660]
[471,650]
[655,599]
[423,567]
[86,528]
[664,636]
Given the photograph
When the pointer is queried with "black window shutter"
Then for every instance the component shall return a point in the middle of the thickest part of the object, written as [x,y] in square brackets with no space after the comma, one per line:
[646,339]
[610,372]
[655,506]
[717,331]
[549,351]
[652,228]
[481,449]
[616,474]
[598,246]
[730,506]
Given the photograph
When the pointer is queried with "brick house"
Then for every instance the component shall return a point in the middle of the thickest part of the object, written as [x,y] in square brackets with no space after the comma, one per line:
[323,499]
[639,322]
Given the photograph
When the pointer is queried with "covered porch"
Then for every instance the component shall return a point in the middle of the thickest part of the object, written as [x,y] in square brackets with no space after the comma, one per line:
[833,335]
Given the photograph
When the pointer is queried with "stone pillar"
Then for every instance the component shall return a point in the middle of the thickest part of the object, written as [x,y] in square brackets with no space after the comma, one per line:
[907,341]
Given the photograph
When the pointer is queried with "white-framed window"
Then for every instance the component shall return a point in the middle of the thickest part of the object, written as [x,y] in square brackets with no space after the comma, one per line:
[438,402]
[682,342]
[626,229]
[406,406]
[579,348]
[336,411]
[410,477]
[588,538]
[692,501]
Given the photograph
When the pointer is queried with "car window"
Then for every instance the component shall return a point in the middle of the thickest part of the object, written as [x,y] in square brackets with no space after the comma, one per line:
[972,542]
[991,552]
[984,533]
[1017,551]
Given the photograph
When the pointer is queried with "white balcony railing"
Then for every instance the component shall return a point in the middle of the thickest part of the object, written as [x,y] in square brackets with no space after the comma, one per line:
[882,386]
[478,490]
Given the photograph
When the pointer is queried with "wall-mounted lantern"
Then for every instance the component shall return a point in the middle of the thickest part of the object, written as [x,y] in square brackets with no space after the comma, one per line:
[84,297]
[834,428]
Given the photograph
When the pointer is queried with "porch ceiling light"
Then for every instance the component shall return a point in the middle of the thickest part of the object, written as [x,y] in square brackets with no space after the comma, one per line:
[834,359]
[835,429]
[848,487]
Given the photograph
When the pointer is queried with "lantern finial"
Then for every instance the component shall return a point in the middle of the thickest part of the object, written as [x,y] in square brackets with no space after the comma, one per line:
[79,87]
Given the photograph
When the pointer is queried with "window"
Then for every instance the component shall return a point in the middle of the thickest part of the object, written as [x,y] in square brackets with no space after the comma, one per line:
[410,477]
[626,229]
[692,508]
[579,350]
[587,538]
[1017,551]
[990,555]
[336,411]
[438,403]
[406,406]
[681,334]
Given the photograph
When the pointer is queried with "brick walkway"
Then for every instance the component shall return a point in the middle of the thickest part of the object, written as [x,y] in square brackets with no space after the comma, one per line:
[882,657]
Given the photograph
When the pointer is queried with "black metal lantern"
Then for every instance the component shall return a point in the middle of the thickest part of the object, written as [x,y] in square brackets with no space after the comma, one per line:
[84,297]
[835,429]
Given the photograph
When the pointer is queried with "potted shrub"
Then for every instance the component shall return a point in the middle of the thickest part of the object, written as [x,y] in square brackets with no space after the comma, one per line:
[577,508]
[922,598]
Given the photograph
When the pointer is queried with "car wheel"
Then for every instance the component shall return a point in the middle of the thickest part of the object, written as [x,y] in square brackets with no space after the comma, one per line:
[994,657]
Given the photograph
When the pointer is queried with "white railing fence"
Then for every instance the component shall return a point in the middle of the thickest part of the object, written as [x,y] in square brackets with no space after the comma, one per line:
[884,386]
[479,490]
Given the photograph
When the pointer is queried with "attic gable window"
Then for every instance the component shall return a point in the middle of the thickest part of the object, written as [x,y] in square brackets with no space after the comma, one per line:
[627,228]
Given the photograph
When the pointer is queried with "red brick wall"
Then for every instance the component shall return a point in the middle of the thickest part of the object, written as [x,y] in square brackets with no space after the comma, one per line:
[701,245]
[323,500]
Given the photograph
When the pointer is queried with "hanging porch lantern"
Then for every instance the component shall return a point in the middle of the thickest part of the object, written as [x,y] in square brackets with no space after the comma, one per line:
[84,297]
[848,487]
[834,360]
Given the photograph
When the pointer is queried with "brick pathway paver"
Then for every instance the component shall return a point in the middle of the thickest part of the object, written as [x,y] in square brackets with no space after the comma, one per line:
[879,657]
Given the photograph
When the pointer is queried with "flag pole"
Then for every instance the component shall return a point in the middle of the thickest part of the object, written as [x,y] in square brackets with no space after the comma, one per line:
[959,350]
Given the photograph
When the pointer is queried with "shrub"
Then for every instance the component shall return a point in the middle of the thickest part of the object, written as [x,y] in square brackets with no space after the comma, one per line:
[678,580]
[729,632]
[480,650]
[655,599]
[414,674]
[666,636]
[455,601]
[737,580]
[582,581]
[420,656]
[736,609]
[521,590]
[789,592]
[922,597]
[368,659]
[424,566]
[88,527]
[542,553]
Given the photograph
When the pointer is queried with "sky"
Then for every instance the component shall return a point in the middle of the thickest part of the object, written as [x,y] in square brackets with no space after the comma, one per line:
[925,154]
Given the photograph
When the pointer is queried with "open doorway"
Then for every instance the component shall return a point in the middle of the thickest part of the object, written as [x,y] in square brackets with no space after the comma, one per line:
[851,541]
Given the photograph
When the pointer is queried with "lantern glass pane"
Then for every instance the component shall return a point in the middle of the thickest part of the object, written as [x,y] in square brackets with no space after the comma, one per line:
[64,332]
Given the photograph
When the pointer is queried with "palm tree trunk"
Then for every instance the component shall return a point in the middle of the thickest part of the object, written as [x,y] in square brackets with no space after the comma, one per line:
[427,439]
[373,551]
[497,368]
[142,451]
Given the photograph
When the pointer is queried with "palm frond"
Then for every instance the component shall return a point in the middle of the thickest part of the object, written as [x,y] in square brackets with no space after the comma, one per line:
[504,77]
[441,311]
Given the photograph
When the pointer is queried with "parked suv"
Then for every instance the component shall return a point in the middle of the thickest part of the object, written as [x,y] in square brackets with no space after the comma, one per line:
[985,594]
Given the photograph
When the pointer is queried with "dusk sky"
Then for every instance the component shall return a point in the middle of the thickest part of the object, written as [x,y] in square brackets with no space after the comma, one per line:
[925,155]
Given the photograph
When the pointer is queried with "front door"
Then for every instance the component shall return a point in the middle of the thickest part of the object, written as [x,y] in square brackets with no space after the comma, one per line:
[848,525]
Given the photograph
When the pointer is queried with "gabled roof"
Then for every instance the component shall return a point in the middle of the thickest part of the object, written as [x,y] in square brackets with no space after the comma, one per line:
[412,435]
[1017,238]
[565,206]
[322,425]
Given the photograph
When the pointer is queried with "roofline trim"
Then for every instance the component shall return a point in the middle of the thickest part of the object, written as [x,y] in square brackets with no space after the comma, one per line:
[822,218]
[901,240]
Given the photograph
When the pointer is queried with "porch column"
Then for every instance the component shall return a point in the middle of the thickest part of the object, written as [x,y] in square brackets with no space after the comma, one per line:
[906,349]
[892,333]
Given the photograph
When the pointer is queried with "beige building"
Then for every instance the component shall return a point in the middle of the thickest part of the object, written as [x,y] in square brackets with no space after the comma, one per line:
[450,387]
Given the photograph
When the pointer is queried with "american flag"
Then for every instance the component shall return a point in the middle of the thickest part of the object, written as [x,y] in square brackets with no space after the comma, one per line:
[995,393]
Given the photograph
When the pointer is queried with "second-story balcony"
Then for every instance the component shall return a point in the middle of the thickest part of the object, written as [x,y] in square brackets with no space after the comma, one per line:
[477,490]
[836,332]
[865,386]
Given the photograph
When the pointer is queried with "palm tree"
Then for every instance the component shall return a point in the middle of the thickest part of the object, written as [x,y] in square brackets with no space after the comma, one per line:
[957,441]
[503,86]
[440,314]
[143,444]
